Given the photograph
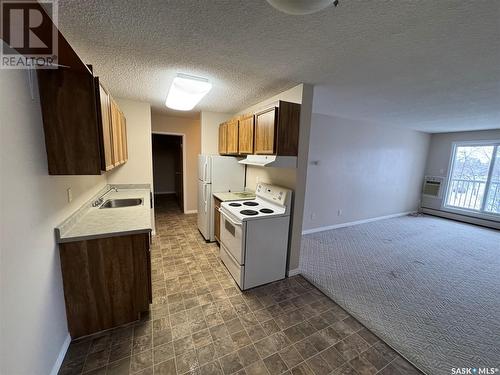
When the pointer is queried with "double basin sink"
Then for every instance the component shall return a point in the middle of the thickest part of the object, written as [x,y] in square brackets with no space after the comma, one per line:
[117,203]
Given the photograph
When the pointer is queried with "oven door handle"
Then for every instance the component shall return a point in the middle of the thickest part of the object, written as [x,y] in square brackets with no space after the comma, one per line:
[229,219]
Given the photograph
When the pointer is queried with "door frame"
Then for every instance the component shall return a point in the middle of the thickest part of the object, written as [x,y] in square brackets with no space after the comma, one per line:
[183,135]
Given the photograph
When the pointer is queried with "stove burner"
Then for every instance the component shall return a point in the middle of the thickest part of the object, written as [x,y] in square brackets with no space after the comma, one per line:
[266,211]
[235,204]
[250,203]
[248,212]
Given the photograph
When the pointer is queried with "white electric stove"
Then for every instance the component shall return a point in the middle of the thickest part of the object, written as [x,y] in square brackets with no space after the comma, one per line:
[254,236]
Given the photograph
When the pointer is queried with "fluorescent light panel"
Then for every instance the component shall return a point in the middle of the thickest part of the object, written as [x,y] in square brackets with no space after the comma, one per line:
[186,91]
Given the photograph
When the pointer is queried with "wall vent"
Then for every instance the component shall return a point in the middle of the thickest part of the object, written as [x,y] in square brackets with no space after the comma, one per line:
[433,186]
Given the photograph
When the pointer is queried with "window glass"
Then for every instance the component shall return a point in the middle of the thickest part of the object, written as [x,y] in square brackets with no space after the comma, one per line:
[469,177]
[493,198]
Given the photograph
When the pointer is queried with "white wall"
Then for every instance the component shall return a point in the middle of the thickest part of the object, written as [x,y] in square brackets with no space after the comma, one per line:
[364,170]
[32,311]
[440,153]
[209,123]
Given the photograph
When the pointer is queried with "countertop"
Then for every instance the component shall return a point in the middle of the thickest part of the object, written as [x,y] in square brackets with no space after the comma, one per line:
[92,222]
[234,196]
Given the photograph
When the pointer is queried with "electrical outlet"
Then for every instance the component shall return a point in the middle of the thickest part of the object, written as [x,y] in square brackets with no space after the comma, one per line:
[339,212]
[313,215]
[70,195]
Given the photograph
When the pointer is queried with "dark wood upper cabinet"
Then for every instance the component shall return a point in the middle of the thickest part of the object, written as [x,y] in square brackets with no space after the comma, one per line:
[69,112]
[76,114]
[277,130]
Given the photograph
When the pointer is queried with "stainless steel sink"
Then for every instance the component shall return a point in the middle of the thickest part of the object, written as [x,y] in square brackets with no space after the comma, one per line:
[116,203]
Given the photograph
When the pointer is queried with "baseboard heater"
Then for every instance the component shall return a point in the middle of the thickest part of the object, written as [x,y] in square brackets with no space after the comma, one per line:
[463,218]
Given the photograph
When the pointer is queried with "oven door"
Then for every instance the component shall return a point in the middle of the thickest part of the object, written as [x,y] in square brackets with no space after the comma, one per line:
[232,235]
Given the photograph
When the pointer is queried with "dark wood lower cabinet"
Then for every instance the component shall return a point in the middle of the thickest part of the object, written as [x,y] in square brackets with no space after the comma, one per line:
[217,219]
[107,282]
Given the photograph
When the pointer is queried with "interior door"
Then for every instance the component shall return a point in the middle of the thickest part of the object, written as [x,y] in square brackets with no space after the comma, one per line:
[179,175]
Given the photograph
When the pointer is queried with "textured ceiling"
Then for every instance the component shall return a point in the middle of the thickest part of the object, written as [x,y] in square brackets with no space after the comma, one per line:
[431,65]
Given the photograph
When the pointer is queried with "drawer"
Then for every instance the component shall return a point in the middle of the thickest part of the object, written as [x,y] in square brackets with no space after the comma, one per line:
[236,271]
[232,235]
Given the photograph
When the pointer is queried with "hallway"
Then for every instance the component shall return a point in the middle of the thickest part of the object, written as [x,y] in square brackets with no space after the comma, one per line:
[201,323]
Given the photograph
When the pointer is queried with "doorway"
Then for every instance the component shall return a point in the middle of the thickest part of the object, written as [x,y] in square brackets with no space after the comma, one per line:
[168,168]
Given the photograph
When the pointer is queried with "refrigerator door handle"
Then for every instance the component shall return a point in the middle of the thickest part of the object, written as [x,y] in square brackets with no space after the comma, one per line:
[205,171]
[206,198]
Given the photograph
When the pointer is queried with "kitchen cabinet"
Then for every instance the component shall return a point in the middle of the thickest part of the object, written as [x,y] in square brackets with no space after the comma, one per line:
[107,282]
[223,138]
[232,136]
[119,130]
[77,118]
[104,118]
[69,113]
[271,131]
[265,129]
[246,135]
[277,129]
[217,203]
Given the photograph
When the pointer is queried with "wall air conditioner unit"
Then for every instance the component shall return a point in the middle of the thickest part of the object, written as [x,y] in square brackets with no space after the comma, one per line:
[433,186]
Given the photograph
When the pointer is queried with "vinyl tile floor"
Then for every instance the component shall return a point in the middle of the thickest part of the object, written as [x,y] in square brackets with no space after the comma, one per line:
[201,323]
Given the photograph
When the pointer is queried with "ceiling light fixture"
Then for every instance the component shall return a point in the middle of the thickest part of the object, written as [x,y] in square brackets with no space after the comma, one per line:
[301,7]
[186,91]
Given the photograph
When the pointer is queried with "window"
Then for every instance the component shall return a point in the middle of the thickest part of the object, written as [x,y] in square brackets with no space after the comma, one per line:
[474,182]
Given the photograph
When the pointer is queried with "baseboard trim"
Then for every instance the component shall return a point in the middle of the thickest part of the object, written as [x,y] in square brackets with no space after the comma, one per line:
[294,272]
[190,212]
[352,223]
[60,357]
[462,218]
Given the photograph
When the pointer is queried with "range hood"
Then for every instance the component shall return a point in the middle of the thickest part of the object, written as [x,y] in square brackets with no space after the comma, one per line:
[271,161]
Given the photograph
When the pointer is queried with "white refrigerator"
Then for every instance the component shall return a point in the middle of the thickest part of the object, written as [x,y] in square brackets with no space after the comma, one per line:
[215,174]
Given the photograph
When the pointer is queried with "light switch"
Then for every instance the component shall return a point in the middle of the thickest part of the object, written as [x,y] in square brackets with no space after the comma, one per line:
[70,195]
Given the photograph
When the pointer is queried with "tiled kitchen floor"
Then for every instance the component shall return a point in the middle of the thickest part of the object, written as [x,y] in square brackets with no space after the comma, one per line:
[201,323]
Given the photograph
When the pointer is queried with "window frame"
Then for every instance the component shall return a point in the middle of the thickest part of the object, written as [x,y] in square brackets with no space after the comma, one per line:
[461,210]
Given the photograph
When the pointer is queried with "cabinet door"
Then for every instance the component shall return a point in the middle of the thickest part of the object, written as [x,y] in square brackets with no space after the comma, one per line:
[217,219]
[245,138]
[123,123]
[71,128]
[223,139]
[265,131]
[116,129]
[106,129]
[232,137]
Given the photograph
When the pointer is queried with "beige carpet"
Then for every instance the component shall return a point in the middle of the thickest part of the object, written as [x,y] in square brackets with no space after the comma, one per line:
[429,287]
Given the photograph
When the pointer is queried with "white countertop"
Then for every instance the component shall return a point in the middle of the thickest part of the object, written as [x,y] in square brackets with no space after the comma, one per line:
[234,196]
[92,222]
